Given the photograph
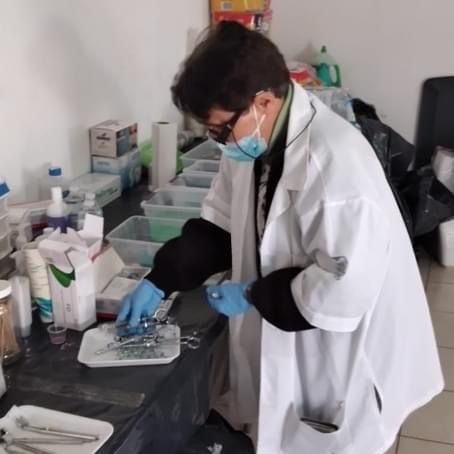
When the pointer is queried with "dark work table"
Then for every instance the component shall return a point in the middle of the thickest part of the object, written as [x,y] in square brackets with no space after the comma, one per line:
[154,409]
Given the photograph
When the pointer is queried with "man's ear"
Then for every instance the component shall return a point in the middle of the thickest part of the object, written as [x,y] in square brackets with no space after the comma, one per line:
[263,101]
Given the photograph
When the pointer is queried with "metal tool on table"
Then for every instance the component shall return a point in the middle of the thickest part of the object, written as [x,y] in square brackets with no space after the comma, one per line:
[9,441]
[23,424]
[150,341]
[147,325]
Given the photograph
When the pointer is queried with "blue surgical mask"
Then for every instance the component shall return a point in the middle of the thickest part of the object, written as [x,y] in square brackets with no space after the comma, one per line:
[248,148]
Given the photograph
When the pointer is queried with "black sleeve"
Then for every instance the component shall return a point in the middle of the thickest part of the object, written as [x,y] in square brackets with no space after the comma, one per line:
[186,262]
[273,298]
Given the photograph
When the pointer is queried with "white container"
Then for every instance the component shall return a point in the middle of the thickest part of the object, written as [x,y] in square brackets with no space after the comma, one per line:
[192,180]
[98,339]
[58,212]
[175,203]
[5,245]
[22,305]
[53,179]
[207,150]
[443,165]
[203,166]
[4,225]
[39,416]
[106,187]
[138,238]
[446,243]
[4,192]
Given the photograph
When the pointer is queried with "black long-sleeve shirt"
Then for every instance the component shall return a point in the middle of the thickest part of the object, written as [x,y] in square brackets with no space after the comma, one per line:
[204,249]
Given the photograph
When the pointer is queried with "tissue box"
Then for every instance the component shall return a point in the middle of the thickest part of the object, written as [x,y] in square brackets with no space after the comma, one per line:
[113,138]
[128,167]
[70,258]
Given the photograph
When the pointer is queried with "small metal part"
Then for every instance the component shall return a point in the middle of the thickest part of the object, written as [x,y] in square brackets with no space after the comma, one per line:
[24,425]
[216,295]
[161,314]
[116,345]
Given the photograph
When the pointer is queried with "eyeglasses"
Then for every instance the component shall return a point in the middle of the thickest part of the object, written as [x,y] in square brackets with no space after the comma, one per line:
[227,128]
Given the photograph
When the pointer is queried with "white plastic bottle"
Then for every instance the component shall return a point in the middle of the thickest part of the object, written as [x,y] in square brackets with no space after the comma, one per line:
[74,200]
[53,179]
[89,207]
[58,211]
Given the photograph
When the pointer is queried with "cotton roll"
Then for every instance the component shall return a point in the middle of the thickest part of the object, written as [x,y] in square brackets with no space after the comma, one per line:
[164,161]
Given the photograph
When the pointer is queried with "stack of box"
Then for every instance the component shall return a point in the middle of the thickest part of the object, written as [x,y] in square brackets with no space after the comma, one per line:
[254,14]
[113,146]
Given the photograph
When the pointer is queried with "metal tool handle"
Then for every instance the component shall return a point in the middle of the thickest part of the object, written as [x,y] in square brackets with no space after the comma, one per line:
[53,441]
[162,312]
[59,433]
[31,449]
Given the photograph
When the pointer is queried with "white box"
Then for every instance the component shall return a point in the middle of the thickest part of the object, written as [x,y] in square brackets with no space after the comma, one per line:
[113,138]
[128,167]
[446,243]
[70,258]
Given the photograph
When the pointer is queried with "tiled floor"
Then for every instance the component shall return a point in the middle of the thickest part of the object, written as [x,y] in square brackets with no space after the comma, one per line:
[431,429]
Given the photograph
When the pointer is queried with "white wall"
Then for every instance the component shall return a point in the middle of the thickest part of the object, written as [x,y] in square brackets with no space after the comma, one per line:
[69,64]
[386,48]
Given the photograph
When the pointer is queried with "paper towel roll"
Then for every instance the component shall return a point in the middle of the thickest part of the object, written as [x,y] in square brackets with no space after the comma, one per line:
[164,161]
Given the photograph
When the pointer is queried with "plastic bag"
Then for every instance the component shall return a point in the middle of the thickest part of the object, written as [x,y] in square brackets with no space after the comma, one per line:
[218,437]
[429,201]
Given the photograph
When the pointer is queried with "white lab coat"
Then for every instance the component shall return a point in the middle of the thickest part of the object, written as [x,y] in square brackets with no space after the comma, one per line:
[374,334]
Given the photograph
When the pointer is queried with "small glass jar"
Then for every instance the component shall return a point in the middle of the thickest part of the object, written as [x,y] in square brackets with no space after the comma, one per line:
[10,349]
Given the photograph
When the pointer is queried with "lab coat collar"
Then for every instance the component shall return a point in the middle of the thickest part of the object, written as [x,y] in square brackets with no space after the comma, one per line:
[296,155]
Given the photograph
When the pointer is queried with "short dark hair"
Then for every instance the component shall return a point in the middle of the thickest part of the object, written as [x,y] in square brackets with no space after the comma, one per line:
[227,69]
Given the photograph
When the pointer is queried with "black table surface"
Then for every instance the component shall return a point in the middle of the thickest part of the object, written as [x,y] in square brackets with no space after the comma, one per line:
[154,409]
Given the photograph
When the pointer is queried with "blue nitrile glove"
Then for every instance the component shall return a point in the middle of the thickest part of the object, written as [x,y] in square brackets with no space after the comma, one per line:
[228,299]
[142,302]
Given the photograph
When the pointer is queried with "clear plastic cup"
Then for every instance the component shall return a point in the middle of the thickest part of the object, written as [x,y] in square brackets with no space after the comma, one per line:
[57,334]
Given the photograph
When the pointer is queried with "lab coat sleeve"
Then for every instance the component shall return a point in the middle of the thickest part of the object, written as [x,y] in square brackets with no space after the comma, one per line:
[358,232]
[216,207]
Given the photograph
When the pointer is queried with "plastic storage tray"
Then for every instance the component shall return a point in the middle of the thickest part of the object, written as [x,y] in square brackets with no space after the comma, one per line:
[181,203]
[139,238]
[3,207]
[193,180]
[4,226]
[207,151]
[203,167]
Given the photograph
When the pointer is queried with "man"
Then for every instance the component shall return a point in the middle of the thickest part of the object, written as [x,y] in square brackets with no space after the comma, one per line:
[331,342]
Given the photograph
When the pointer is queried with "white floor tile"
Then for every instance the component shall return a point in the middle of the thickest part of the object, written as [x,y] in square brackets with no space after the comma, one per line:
[434,421]
[447,361]
[440,296]
[444,328]
[440,274]
[412,446]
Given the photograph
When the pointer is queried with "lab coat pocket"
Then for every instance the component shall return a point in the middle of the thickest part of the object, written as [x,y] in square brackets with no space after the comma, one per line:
[300,437]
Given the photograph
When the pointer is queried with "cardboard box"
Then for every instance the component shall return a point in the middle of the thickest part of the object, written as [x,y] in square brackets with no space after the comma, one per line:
[259,22]
[70,258]
[239,6]
[113,138]
[128,167]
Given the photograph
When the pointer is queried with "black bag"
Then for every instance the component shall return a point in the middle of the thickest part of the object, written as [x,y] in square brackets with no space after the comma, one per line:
[429,201]
[217,436]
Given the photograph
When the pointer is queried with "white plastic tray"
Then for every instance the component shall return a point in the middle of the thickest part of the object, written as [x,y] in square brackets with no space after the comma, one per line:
[39,416]
[98,338]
